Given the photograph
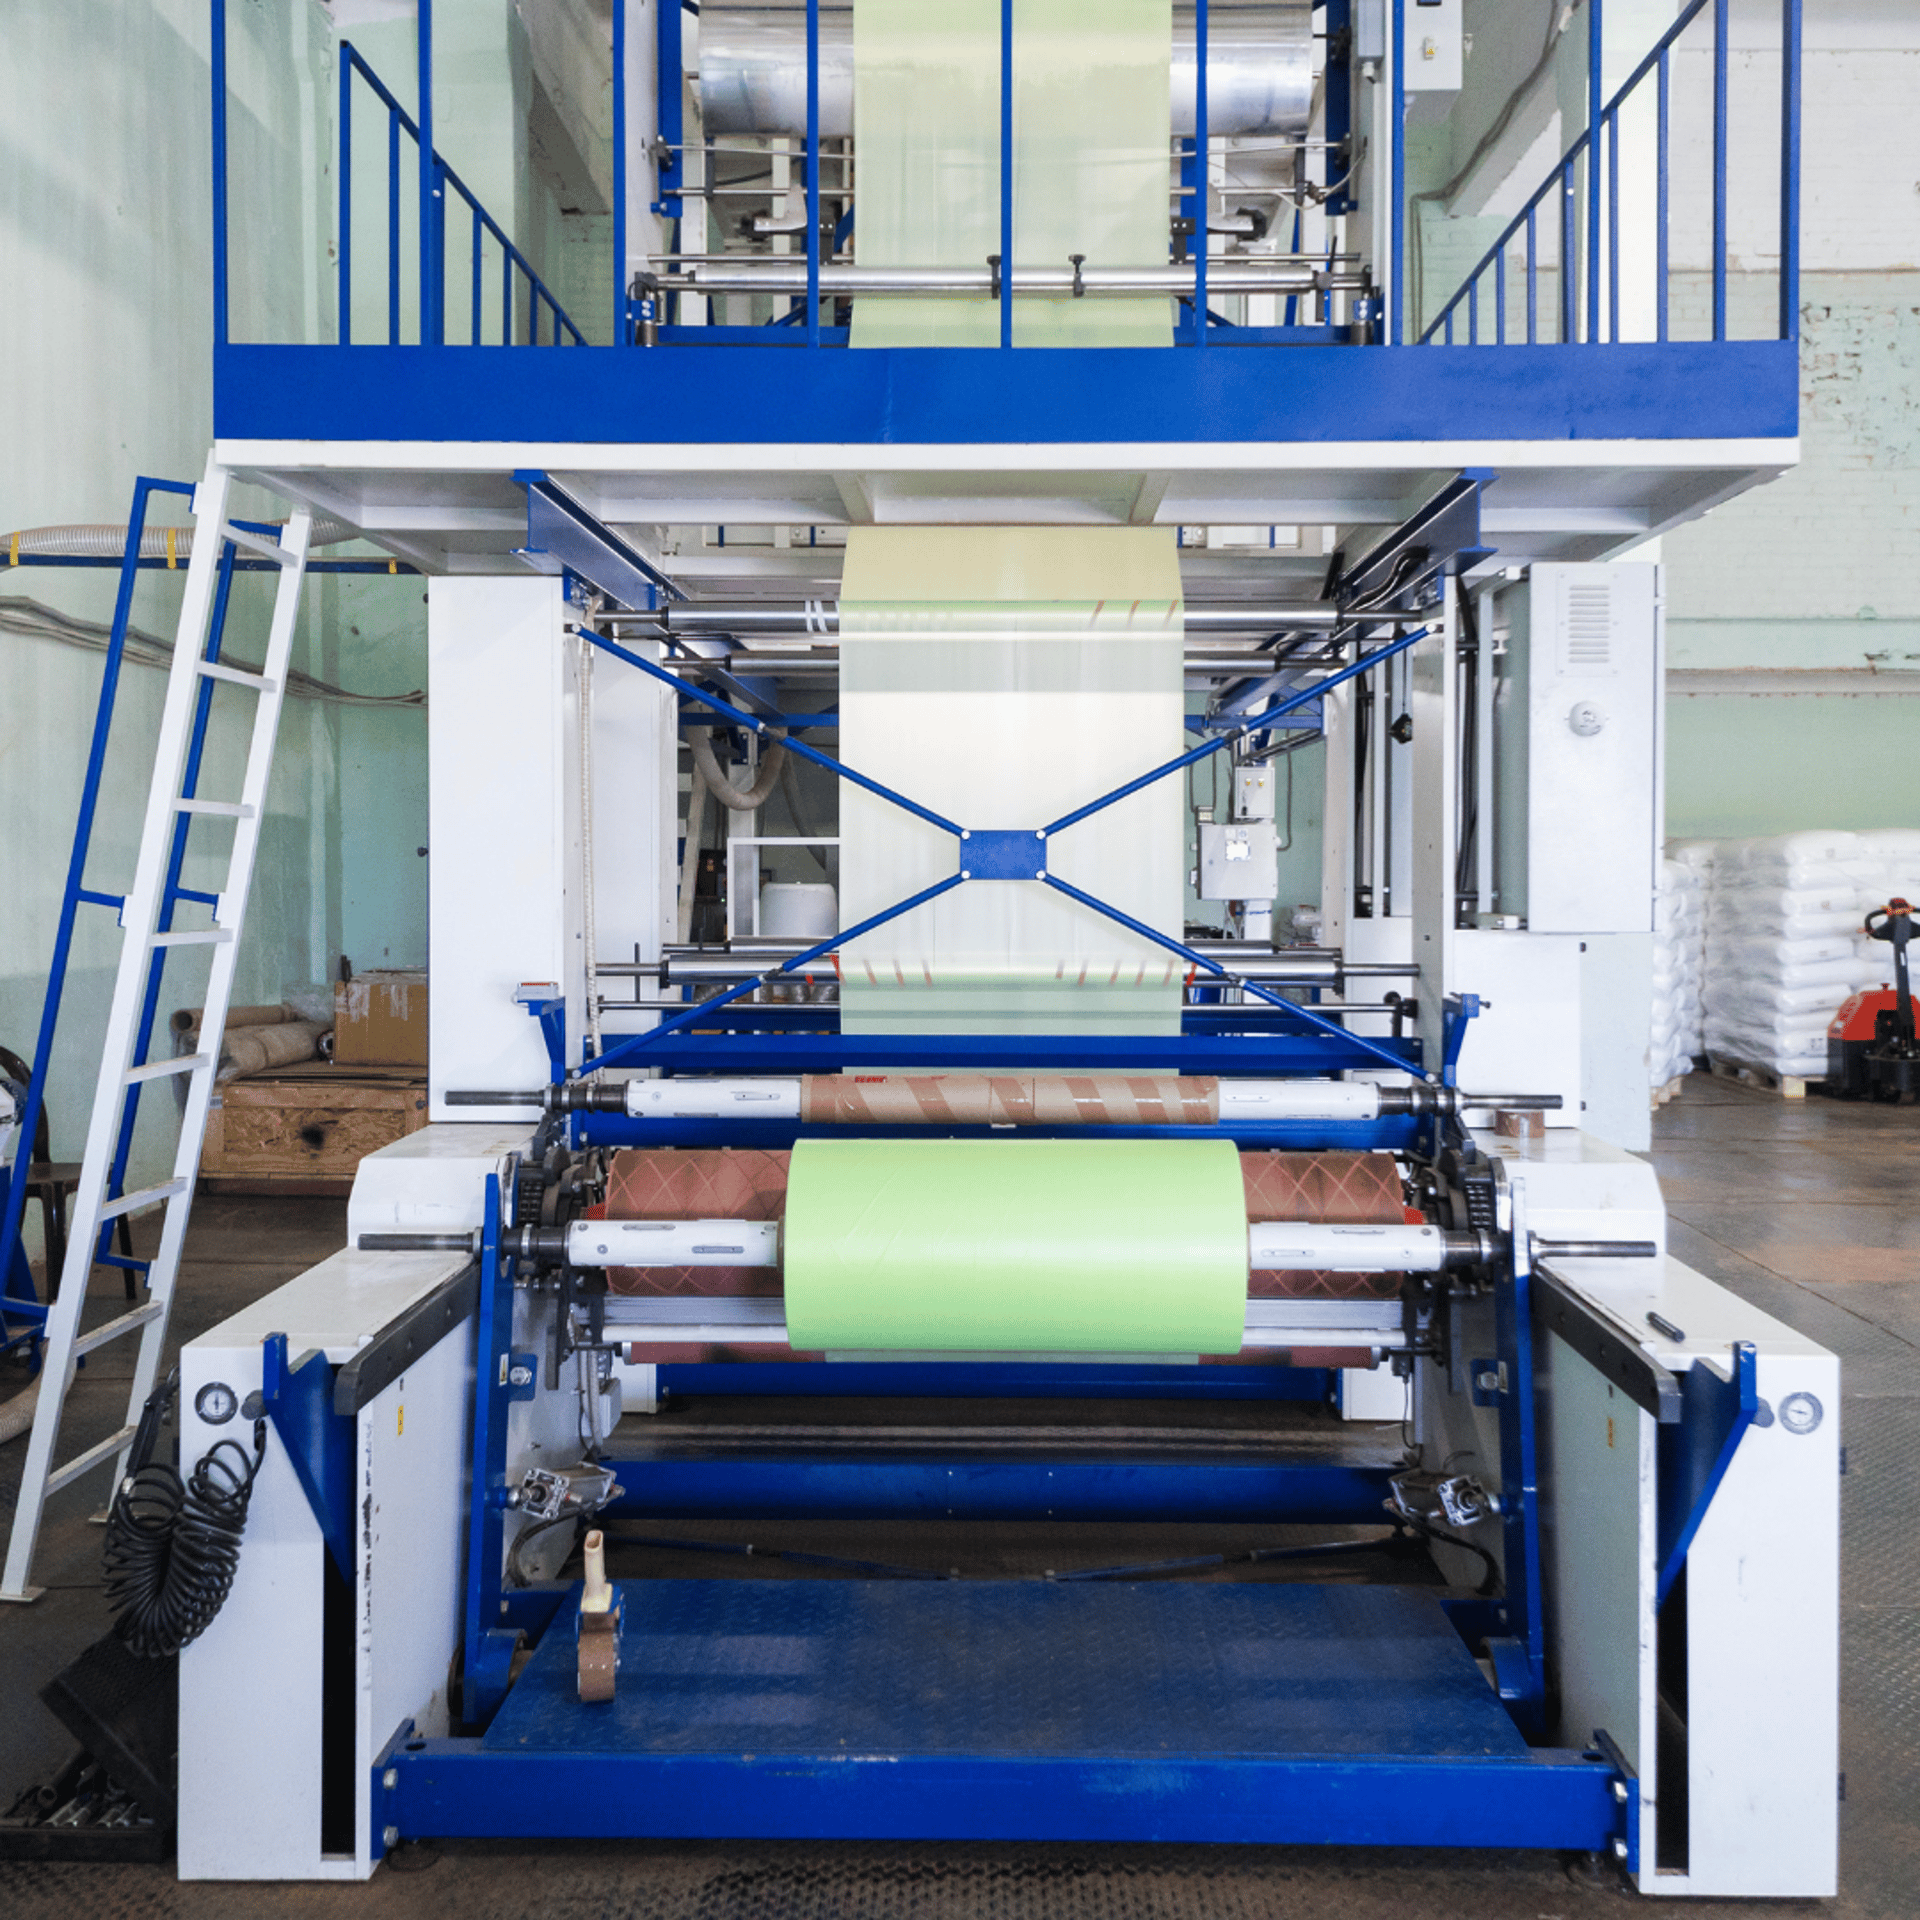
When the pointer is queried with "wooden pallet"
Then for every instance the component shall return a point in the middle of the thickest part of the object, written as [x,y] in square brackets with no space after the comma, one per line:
[1661,1095]
[1763,1079]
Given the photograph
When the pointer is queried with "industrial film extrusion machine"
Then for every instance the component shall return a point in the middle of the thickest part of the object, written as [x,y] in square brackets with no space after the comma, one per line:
[967,1317]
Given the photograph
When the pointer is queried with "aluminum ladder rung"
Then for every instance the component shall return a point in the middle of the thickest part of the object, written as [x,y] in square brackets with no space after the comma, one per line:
[221,809]
[205,937]
[254,543]
[240,676]
[143,1197]
[159,1069]
[93,1457]
[121,1323]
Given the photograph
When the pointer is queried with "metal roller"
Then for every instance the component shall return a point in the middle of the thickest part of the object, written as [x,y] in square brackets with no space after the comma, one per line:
[753,70]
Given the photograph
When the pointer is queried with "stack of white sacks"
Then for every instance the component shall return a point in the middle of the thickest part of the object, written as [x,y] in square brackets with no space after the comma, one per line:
[1679,960]
[1784,945]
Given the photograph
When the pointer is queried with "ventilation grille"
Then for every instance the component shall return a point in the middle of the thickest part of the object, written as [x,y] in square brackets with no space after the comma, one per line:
[1589,629]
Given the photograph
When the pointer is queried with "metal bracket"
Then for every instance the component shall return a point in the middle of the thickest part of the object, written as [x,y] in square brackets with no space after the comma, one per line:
[1019,855]
[1402,574]
[1455,1012]
[389,1354]
[1696,1452]
[563,537]
[298,1397]
[1608,1348]
[552,1015]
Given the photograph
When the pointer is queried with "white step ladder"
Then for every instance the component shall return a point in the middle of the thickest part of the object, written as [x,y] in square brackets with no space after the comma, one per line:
[140,917]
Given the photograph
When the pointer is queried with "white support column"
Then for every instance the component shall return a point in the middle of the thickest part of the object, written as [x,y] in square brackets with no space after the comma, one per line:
[503,902]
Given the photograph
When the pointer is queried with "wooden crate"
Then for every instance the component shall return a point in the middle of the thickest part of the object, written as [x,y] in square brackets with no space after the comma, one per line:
[305,1129]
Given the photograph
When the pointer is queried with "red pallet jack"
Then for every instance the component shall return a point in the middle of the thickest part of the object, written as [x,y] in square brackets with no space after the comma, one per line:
[1872,1052]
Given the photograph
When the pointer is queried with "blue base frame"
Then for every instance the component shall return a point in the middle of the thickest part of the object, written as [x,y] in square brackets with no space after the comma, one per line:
[1011,1710]
[958,1486]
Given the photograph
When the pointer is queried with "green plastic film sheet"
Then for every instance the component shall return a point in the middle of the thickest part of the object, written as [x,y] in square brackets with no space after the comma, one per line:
[1016,1246]
[1091,168]
[1005,676]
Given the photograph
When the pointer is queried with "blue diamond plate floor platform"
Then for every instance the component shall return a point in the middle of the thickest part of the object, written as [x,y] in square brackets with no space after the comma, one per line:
[896,1666]
[1010,1709]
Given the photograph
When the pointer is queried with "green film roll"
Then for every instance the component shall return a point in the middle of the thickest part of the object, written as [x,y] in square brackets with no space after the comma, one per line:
[1034,1246]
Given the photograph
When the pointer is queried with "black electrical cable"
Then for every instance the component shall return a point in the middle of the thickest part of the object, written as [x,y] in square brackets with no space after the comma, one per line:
[173,1547]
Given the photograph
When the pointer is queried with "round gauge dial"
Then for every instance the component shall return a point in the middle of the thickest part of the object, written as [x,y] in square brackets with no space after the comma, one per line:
[216,1403]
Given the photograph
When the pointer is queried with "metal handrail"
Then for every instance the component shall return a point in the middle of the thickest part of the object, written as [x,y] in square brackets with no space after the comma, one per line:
[433,254]
[1603,133]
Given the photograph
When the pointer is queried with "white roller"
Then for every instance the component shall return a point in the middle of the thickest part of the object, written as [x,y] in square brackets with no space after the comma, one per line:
[674,1243]
[1287,1246]
[1298,1100]
[1272,1245]
[714,1099]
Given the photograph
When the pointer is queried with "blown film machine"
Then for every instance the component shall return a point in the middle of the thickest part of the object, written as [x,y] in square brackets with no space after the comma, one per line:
[851,1243]
[936,1301]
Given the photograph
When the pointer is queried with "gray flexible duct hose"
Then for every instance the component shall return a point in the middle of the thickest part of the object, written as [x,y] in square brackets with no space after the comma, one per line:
[740,799]
[16,1415]
[108,543]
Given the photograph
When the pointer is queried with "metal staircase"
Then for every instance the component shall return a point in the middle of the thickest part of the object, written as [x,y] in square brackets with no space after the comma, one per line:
[147,915]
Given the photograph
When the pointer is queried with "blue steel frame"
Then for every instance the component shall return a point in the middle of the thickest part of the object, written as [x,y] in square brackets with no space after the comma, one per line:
[632,1051]
[78,893]
[1577,176]
[1561,1798]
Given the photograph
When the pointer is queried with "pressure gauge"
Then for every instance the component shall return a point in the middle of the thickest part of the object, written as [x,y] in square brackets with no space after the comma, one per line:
[216,1403]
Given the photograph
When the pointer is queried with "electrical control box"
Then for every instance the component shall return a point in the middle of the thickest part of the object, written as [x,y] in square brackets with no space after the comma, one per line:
[1239,860]
[1253,792]
[1435,53]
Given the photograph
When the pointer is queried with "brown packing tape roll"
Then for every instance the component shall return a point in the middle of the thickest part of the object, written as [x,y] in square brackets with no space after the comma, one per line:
[988,1100]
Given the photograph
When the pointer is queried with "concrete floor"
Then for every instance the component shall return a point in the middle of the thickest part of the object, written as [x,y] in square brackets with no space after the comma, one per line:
[1805,1209]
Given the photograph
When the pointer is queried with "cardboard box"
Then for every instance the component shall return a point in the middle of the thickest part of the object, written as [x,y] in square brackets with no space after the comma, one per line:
[380,1020]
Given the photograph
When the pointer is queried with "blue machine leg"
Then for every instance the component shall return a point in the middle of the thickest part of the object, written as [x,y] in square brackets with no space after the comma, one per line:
[489,1647]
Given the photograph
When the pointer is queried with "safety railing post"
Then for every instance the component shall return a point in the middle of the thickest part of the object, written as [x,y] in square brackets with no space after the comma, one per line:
[1663,113]
[343,293]
[393,226]
[1790,169]
[218,64]
[1006,173]
[1397,217]
[813,172]
[1719,169]
[622,321]
[1202,173]
[429,180]
[1595,17]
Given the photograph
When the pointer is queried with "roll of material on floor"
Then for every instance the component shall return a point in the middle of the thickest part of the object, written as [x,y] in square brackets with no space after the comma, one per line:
[1040,1246]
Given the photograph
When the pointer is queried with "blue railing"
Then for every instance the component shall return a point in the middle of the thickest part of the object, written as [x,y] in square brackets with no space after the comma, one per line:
[523,294]
[1585,219]
[441,183]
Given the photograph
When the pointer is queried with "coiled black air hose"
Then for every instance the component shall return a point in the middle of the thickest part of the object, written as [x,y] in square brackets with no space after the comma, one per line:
[173,1548]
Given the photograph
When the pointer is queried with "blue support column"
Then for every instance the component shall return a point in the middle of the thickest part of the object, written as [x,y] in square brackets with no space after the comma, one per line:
[487,1647]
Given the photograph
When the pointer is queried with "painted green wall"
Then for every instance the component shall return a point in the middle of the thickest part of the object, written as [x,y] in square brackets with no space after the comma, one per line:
[105,222]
